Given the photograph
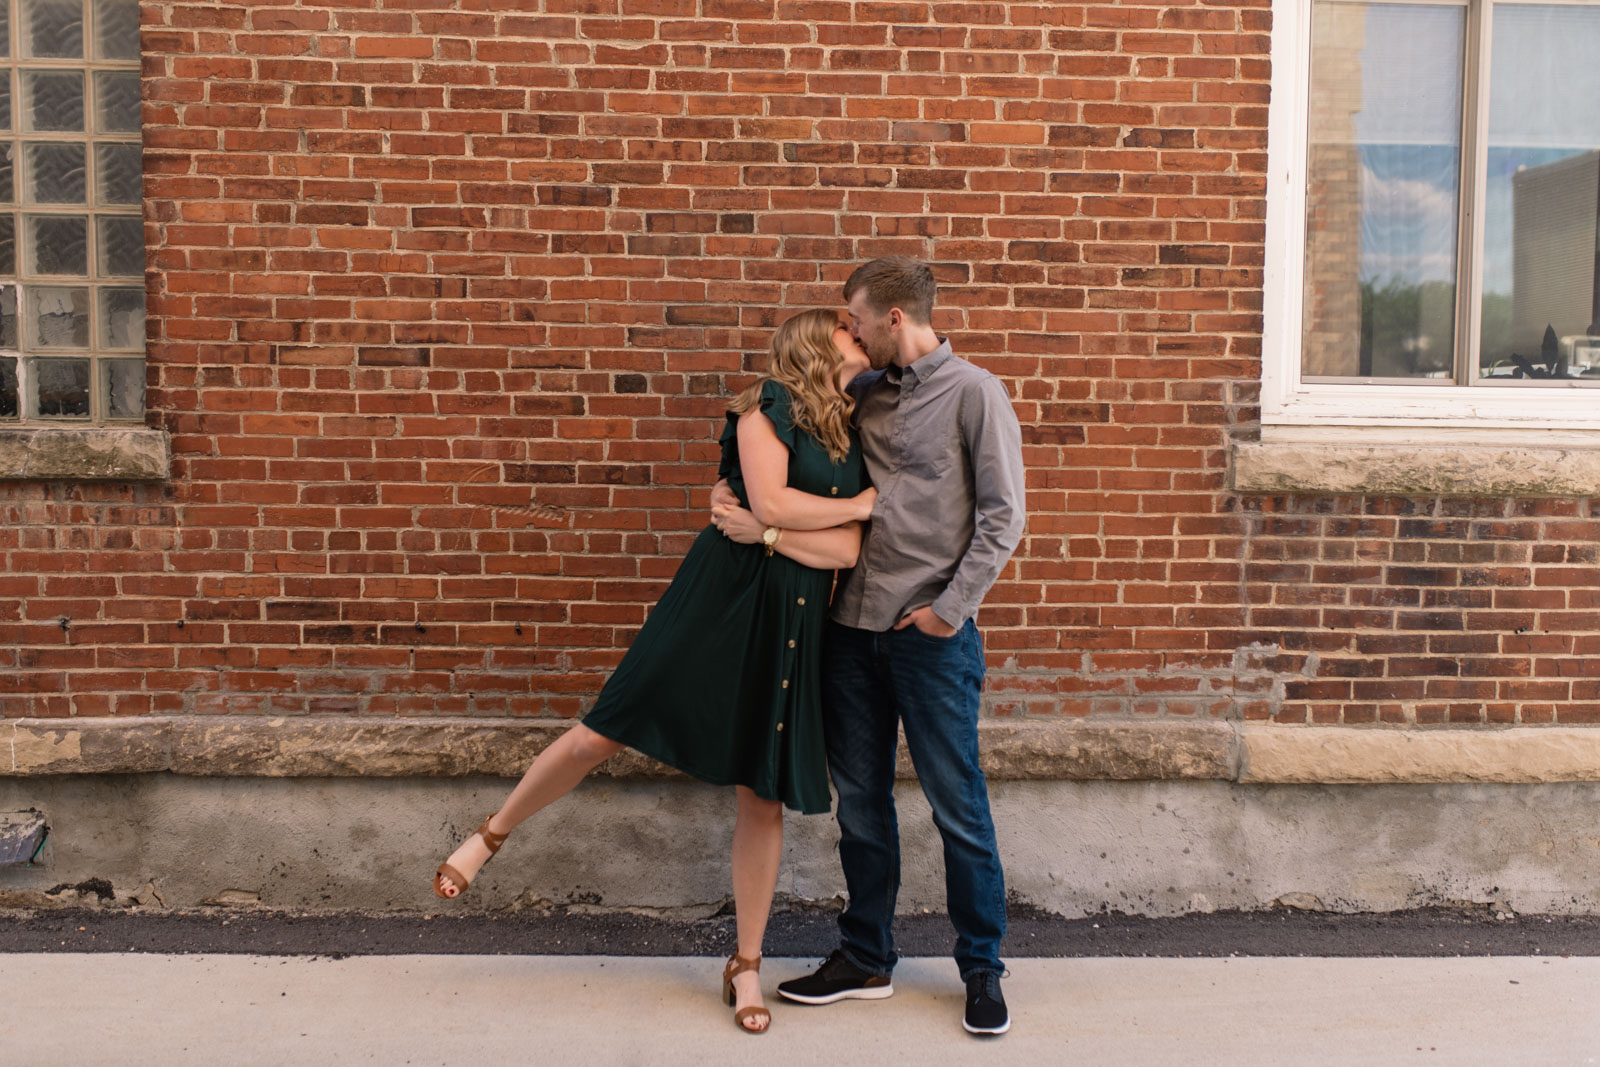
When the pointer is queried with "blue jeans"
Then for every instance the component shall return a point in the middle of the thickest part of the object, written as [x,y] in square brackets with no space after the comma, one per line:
[871,683]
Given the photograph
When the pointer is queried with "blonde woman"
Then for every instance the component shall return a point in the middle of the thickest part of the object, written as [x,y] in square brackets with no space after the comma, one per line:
[722,681]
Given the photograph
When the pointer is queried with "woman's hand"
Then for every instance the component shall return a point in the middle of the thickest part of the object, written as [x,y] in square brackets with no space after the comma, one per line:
[723,496]
[737,524]
[867,499]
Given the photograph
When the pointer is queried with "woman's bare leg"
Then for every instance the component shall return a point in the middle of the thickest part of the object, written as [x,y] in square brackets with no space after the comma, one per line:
[757,850]
[554,774]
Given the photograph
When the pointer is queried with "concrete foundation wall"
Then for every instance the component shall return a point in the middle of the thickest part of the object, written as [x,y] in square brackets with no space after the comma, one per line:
[1149,848]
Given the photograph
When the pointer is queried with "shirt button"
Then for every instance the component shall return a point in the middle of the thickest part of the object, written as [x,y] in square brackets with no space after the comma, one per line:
[801,601]
[780,727]
[791,644]
[834,490]
[786,683]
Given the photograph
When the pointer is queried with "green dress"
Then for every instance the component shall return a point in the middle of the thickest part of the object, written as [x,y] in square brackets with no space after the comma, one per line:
[723,680]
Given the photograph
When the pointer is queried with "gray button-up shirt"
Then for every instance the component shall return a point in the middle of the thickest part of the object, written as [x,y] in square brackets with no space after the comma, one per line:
[944,451]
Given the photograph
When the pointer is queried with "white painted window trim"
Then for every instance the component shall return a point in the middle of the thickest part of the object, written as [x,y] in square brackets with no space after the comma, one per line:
[1288,402]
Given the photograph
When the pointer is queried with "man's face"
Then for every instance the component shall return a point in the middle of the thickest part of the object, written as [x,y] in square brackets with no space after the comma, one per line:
[873,330]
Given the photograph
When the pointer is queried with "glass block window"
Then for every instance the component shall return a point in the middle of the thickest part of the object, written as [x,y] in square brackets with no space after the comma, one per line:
[72,307]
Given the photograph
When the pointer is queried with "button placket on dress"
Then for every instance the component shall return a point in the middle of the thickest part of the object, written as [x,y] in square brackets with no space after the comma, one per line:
[790,655]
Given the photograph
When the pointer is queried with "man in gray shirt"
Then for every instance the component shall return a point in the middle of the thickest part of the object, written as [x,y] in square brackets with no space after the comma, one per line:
[944,451]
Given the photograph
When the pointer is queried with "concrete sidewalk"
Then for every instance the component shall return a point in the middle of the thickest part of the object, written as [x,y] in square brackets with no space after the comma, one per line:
[596,1011]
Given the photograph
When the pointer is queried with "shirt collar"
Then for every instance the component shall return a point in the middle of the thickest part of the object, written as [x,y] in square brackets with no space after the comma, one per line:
[923,368]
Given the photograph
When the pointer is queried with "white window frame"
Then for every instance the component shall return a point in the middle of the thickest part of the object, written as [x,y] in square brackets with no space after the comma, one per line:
[1288,402]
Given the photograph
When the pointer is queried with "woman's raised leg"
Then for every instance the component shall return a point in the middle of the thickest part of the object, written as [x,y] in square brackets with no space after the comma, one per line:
[554,774]
[757,850]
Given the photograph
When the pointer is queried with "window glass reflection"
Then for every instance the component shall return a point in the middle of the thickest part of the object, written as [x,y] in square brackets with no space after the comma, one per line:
[124,393]
[63,386]
[1540,311]
[1383,190]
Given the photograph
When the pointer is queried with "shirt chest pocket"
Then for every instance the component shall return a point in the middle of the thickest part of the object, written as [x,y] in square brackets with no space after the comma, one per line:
[929,456]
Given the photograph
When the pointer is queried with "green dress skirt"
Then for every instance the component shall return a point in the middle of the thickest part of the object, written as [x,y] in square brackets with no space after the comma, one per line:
[723,680]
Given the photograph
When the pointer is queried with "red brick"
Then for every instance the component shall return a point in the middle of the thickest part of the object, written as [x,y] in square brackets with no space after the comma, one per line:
[482,288]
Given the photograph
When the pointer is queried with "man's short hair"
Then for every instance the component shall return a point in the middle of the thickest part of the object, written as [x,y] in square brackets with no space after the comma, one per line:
[895,282]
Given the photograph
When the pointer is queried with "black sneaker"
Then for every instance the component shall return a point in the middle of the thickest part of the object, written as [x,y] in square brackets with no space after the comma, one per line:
[986,1007]
[837,979]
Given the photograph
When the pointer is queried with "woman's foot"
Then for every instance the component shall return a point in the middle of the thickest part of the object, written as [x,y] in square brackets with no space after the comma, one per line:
[473,853]
[747,994]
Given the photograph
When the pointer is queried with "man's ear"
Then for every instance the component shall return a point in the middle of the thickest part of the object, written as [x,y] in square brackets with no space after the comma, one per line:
[897,318]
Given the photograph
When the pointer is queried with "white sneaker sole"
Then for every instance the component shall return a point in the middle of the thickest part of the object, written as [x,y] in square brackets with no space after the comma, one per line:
[995,1032]
[881,992]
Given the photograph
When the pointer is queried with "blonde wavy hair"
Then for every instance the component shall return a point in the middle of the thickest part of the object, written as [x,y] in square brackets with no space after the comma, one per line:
[805,360]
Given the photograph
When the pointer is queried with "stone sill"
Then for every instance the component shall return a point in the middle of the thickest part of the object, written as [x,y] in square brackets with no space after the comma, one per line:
[84,453]
[1170,750]
[1398,468]
[431,748]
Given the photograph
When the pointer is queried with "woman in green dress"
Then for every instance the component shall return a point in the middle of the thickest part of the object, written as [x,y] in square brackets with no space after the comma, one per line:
[722,681]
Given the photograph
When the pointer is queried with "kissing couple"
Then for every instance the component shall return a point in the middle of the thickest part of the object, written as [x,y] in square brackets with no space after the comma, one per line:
[870,492]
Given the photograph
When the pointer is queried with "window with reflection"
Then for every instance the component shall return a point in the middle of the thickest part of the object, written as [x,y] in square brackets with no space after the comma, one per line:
[1453,194]
[72,301]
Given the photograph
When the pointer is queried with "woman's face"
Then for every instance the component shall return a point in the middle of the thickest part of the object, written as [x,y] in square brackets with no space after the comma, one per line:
[853,356]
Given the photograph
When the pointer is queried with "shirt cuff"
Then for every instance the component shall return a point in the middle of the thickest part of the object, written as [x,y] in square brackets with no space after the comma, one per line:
[952,613]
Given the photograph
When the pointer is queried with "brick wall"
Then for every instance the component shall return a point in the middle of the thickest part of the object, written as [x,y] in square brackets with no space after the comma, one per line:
[446,306]
[1428,611]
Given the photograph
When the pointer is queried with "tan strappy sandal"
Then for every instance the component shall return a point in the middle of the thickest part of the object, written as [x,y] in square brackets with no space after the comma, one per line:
[737,965]
[491,839]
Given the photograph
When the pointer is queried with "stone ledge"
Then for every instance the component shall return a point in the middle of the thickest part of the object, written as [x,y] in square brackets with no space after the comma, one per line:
[89,453]
[1251,753]
[397,748]
[1289,755]
[1298,466]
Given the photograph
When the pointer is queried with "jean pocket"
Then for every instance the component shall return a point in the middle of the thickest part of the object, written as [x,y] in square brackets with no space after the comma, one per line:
[933,638]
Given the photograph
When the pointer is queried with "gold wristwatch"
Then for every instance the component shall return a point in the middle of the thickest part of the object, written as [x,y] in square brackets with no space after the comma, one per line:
[769,537]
